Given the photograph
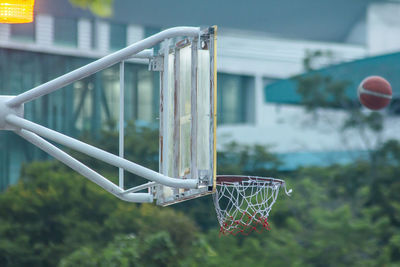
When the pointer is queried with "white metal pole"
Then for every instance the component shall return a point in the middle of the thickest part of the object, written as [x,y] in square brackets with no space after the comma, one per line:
[147,53]
[140,187]
[165,91]
[101,154]
[83,169]
[100,64]
[121,120]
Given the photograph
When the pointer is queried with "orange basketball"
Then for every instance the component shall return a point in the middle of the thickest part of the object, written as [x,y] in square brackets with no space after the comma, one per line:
[375,92]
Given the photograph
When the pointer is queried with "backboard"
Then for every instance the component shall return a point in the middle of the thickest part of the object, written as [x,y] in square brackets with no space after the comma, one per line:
[187,67]
[188,83]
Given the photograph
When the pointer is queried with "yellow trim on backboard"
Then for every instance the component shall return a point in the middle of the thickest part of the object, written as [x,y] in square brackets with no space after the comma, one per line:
[215,109]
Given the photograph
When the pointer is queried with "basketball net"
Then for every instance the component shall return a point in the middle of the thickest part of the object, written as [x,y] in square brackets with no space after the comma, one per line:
[243,203]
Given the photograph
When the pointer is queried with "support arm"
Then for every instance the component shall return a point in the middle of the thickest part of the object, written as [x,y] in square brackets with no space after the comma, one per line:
[83,169]
[101,64]
[100,154]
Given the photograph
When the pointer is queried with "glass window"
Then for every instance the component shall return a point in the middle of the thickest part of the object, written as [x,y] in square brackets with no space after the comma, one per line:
[23,32]
[65,31]
[232,98]
[117,36]
[83,104]
[141,93]
[85,107]
[110,96]
[145,96]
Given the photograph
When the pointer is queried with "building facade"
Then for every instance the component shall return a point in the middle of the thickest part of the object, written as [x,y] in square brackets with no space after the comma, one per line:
[63,38]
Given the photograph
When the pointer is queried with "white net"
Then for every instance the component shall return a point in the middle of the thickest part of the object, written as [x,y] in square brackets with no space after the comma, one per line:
[243,203]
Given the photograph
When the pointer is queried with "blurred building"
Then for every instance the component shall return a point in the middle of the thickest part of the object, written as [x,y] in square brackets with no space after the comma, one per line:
[261,44]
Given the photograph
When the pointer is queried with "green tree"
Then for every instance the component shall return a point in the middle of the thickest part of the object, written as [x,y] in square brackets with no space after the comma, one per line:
[102,8]
[141,147]
[154,250]
[53,212]
[337,216]
[320,225]
[366,186]
[235,158]
[54,216]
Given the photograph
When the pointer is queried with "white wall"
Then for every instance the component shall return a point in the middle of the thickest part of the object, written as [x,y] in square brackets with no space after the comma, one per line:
[44,38]
[44,30]
[358,34]
[4,32]
[288,128]
[85,34]
[383,28]
[258,54]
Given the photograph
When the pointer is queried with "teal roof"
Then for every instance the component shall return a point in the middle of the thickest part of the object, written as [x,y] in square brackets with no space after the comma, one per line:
[387,66]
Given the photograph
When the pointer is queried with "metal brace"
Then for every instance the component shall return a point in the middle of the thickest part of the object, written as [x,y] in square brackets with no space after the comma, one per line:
[156,64]
[7,110]
[204,177]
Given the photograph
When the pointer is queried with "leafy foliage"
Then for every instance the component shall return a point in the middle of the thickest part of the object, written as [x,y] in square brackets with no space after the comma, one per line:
[141,147]
[102,8]
[52,212]
[337,216]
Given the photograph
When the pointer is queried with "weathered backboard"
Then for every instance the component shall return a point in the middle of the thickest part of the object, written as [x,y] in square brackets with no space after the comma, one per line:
[188,115]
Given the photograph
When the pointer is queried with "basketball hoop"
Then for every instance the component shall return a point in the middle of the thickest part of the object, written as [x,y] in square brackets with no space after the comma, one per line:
[243,203]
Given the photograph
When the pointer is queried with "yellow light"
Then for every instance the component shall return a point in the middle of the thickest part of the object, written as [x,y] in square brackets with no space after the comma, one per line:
[16,11]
